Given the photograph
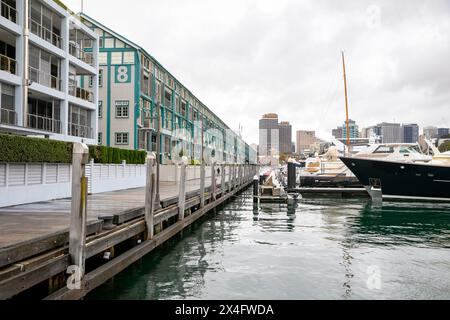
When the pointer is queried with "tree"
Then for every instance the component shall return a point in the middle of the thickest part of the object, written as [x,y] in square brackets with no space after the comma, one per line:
[445,147]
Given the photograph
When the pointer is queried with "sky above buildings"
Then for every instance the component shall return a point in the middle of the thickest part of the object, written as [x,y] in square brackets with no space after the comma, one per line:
[245,58]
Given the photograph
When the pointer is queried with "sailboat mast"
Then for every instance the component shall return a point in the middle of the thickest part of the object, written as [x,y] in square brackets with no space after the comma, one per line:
[346,103]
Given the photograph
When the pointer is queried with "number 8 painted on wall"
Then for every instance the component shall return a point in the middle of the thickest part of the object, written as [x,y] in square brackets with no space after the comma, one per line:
[122,74]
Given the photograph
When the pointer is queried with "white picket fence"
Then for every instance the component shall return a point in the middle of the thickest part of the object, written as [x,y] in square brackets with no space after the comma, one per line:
[28,183]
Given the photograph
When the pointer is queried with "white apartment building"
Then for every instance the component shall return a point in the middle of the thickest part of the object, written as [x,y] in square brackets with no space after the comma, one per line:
[45,52]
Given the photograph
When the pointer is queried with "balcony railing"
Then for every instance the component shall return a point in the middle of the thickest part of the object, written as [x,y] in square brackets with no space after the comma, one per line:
[8,116]
[7,64]
[44,123]
[78,53]
[80,93]
[8,12]
[44,78]
[78,130]
[45,33]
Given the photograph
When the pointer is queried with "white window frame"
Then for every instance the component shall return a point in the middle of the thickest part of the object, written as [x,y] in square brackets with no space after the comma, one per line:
[120,137]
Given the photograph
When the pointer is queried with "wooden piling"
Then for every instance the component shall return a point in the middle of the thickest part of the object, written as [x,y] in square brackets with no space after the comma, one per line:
[202,184]
[222,180]
[150,193]
[182,190]
[213,182]
[78,212]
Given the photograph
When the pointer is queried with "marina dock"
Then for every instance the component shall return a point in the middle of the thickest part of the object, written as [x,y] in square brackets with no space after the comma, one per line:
[34,238]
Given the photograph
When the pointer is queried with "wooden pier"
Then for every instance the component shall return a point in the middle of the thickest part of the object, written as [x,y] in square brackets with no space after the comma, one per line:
[40,242]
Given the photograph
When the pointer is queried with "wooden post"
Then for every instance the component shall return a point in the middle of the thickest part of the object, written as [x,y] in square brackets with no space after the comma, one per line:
[78,210]
[222,180]
[150,194]
[182,190]
[213,182]
[229,177]
[202,184]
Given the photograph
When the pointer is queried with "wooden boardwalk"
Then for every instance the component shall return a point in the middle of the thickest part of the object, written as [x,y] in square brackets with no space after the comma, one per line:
[34,237]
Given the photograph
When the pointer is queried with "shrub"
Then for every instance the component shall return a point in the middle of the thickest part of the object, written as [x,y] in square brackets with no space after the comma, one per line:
[105,155]
[34,150]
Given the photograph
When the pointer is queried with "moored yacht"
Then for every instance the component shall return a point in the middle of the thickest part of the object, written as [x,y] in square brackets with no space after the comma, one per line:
[407,180]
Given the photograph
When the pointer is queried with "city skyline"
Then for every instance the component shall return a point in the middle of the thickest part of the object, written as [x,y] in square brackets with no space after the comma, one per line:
[394,58]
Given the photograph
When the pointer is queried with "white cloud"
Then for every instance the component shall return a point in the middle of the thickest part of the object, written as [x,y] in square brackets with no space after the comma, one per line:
[244,58]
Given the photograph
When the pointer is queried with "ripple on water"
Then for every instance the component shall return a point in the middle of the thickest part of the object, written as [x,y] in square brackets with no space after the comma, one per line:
[320,249]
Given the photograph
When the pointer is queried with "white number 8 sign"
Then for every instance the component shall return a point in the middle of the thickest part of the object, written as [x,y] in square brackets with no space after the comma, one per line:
[122,74]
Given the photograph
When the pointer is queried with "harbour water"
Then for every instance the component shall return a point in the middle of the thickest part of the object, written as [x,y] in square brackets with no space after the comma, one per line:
[317,249]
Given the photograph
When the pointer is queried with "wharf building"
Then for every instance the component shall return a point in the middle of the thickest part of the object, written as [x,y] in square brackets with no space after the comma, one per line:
[43,63]
[134,88]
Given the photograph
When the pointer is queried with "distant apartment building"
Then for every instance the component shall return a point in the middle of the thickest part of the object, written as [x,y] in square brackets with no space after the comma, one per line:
[353,129]
[430,132]
[304,140]
[391,132]
[442,132]
[410,133]
[337,133]
[135,88]
[285,137]
[43,64]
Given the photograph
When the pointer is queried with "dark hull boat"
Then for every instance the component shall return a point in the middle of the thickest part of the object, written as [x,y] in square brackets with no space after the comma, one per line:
[401,180]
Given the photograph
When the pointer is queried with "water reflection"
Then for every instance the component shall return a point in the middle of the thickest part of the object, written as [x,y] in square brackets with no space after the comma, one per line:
[310,249]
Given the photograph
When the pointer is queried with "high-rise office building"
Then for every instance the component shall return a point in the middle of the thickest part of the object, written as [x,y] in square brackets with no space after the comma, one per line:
[285,137]
[304,140]
[337,133]
[410,133]
[391,132]
[430,132]
[442,132]
[269,138]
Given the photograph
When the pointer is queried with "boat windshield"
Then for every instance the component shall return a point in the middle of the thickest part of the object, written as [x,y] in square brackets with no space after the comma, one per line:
[410,149]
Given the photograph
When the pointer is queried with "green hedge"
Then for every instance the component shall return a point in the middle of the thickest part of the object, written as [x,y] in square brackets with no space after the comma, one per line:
[33,150]
[17,149]
[102,154]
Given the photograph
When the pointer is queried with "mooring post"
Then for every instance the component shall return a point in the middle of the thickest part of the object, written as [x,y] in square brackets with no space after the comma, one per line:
[255,189]
[150,195]
[202,184]
[78,210]
[291,175]
[229,178]
[213,182]
[222,179]
[182,189]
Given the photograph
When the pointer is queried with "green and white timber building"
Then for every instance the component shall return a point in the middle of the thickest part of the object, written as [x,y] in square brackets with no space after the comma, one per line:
[132,84]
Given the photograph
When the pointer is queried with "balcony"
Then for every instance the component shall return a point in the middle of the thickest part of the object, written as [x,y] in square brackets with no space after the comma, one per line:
[77,52]
[78,92]
[8,116]
[44,123]
[8,11]
[44,78]
[81,131]
[8,64]
[46,34]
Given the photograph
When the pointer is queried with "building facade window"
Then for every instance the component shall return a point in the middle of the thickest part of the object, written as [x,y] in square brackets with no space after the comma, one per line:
[100,109]
[7,107]
[100,77]
[100,139]
[122,109]
[122,138]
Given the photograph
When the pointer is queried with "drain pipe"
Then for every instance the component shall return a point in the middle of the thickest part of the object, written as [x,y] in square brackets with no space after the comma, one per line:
[26,53]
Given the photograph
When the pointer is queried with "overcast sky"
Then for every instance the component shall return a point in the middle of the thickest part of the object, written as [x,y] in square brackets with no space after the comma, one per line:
[244,58]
